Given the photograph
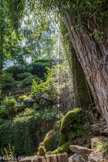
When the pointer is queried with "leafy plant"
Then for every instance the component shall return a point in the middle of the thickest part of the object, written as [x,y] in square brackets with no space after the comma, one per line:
[10,152]
[21,98]
[7,80]
[8,107]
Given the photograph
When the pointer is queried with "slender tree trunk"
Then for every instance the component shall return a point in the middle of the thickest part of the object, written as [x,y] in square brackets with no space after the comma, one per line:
[93,56]
[82,94]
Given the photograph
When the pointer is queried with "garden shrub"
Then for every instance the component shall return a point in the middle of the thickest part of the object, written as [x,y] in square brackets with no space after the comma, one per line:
[24,75]
[16,70]
[8,107]
[22,131]
[20,134]
[7,80]
[27,81]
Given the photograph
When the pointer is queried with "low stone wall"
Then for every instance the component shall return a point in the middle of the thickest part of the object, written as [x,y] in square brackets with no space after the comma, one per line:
[51,158]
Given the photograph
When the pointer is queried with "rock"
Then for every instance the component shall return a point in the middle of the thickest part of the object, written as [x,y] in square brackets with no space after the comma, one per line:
[100,128]
[85,152]
[19,105]
[41,149]
[79,141]
[95,157]
[76,158]
[29,100]
[50,140]
[96,140]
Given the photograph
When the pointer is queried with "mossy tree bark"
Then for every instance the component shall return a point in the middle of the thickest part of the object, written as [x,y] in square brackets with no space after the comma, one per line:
[82,94]
[93,56]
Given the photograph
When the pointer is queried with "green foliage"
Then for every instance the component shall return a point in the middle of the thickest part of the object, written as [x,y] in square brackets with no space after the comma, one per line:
[62,149]
[9,152]
[16,71]
[71,125]
[21,98]
[50,84]
[23,76]
[36,88]
[81,10]
[39,69]
[27,81]
[49,114]
[7,80]
[8,107]
[20,133]
[16,10]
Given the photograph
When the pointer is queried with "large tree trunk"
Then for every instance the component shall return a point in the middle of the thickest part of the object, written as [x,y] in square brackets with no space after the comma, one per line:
[93,56]
[82,93]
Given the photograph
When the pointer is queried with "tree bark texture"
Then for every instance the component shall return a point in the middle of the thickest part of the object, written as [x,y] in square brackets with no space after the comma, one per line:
[82,94]
[93,57]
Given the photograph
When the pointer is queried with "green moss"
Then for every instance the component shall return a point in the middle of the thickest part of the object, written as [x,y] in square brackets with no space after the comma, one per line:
[41,149]
[21,98]
[49,140]
[62,139]
[71,125]
[62,149]
[56,126]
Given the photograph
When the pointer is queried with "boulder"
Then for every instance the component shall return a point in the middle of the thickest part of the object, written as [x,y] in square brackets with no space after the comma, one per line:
[79,141]
[29,100]
[50,140]
[71,125]
[95,157]
[19,105]
[100,128]
[84,151]
[96,140]
[76,158]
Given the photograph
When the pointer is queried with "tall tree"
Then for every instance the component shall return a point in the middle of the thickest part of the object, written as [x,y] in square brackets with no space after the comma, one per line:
[9,43]
[86,22]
